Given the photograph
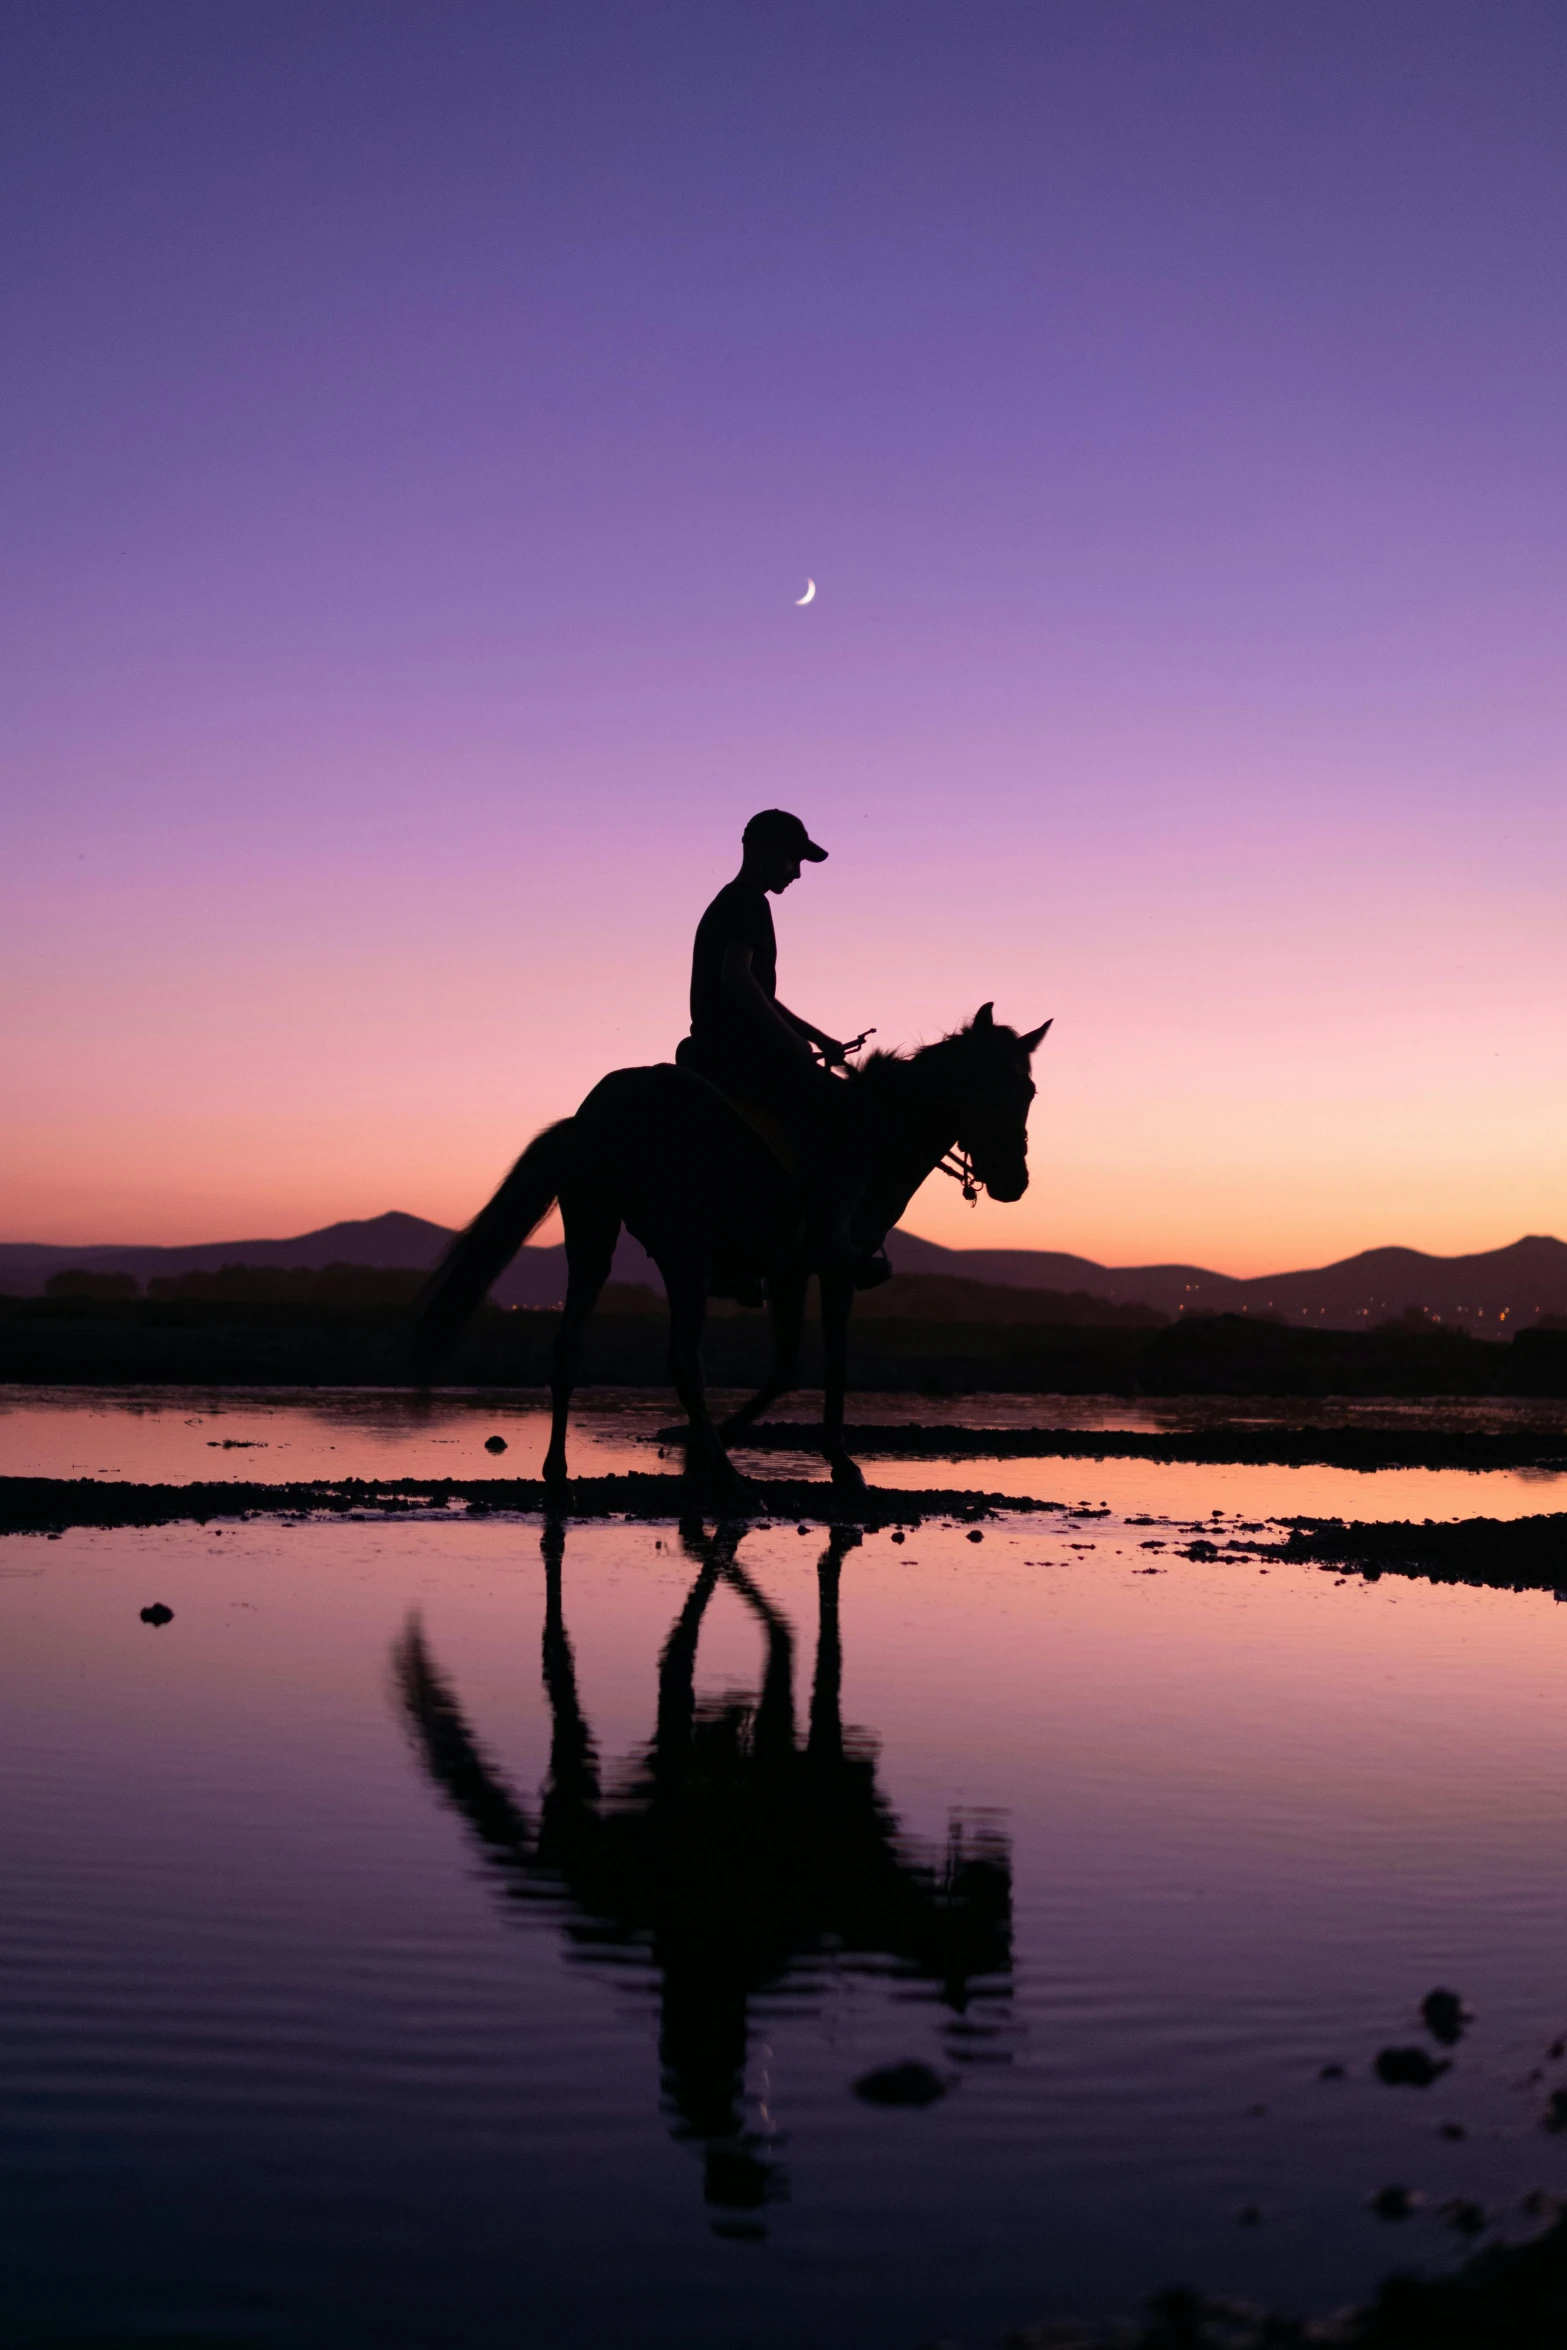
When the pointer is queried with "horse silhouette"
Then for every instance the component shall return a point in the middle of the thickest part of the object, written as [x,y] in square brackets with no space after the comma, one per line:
[735,1853]
[662,1151]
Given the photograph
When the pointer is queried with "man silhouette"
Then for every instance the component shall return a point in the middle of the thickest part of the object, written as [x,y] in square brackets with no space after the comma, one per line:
[755,1049]
[738,1026]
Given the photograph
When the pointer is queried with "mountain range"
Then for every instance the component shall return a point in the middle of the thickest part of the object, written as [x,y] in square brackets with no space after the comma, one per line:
[1491,1293]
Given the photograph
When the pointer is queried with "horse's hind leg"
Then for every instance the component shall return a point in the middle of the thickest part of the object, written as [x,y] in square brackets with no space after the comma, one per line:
[786,1298]
[592,1230]
[686,1288]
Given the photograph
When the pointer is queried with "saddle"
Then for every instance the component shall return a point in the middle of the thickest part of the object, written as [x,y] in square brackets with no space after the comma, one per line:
[780,1136]
[794,1143]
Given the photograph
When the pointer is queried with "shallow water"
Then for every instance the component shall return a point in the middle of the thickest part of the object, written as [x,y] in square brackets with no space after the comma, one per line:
[342,2007]
[487,1990]
[273,1436]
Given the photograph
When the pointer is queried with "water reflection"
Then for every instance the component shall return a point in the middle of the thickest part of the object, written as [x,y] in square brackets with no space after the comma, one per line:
[740,1856]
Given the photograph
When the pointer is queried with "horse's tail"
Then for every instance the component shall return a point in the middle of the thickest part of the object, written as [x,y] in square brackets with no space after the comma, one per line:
[456,1288]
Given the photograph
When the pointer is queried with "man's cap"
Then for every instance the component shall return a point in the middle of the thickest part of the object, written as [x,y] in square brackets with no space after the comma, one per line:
[775,828]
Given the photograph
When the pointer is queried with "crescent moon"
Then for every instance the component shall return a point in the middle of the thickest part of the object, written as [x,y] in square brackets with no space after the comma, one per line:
[810,590]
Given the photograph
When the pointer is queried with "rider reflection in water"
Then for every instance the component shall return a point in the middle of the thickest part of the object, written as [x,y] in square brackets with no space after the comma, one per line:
[744,1859]
[758,1052]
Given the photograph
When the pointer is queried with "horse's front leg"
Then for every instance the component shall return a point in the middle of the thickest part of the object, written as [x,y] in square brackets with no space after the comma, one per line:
[786,1302]
[566,1361]
[685,1285]
[837,1288]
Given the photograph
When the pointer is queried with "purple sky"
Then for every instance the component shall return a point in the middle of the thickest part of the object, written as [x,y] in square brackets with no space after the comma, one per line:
[418,422]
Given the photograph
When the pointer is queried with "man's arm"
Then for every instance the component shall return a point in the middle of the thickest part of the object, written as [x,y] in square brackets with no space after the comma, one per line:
[829,1046]
[775,1020]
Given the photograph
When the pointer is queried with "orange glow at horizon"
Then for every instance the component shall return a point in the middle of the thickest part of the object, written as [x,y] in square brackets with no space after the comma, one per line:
[1241,1088]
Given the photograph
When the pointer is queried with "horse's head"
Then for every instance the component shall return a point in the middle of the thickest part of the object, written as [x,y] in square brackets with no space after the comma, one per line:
[993,1096]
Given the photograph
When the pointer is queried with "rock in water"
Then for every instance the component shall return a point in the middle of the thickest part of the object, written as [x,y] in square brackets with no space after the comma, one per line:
[157,1613]
[1445,2016]
[900,2084]
[1464,2215]
[1408,2068]
[495,1444]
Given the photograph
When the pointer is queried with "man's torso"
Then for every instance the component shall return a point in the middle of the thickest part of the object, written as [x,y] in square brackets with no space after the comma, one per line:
[738,915]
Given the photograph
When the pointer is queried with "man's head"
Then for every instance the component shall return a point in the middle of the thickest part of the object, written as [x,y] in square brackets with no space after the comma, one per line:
[775,844]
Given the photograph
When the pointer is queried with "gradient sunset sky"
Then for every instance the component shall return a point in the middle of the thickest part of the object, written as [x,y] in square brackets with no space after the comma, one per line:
[419,420]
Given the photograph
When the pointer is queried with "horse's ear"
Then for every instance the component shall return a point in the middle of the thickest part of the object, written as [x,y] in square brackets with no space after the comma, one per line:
[1036,1036]
[982,1019]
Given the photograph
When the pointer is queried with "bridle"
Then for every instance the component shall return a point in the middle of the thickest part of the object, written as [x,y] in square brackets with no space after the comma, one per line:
[959,1164]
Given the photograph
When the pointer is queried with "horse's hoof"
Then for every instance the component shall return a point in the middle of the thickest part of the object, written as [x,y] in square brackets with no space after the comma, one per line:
[725,1486]
[555,1479]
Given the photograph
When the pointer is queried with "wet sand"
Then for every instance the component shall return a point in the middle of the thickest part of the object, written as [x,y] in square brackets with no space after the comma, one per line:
[41,1504]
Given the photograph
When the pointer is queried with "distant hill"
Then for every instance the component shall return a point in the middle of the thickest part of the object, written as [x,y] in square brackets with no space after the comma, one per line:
[1491,1293]
[398,1242]
[393,1242]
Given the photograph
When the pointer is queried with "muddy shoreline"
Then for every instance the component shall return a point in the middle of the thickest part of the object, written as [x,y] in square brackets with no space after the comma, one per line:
[1515,1554]
[1293,1447]
[33,1505]
[1519,1554]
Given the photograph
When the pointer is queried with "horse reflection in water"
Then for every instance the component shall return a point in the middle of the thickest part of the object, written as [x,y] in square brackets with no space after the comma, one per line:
[738,1855]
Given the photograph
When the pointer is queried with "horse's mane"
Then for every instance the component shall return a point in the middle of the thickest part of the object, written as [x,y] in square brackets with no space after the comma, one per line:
[930,1060]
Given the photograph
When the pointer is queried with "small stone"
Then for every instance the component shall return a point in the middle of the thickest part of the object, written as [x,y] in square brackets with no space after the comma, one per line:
[1453,2130]
[1248,2216]
[1555,2114]
[1394,2203]
[900,2084]
[898,1534]
[1445,2016]
[976,1536]
[157,1613]
[1331,2072]
[1466,2216]
[1408,2068]
[495,1444]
